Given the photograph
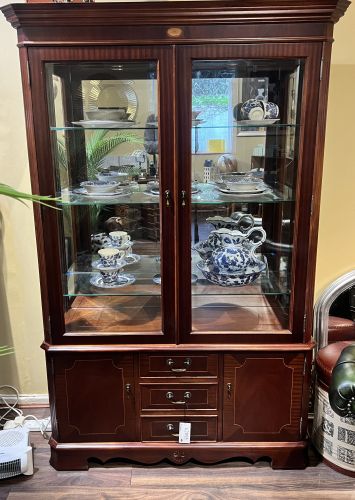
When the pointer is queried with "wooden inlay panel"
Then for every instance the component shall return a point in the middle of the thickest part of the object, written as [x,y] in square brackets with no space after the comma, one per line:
[262,396]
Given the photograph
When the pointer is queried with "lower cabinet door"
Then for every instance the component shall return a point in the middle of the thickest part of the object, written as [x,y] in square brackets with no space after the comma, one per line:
[94,397]
[262,396]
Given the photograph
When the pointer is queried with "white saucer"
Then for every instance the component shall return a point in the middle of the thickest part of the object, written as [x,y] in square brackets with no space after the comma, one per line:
[197,122]
[259,123]
[133,258]
[104,124]
[84,192]
[122,280]
[152,193]
[239,193]
[100,267]
[157,279]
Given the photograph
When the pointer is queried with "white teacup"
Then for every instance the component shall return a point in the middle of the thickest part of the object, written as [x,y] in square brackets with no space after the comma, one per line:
[119,238]
[109,256]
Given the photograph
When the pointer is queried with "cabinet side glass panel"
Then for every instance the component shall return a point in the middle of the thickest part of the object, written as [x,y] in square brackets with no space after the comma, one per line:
[104,133]
[244,137]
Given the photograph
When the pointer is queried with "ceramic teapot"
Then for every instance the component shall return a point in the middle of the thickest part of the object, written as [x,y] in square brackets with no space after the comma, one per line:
[237,252]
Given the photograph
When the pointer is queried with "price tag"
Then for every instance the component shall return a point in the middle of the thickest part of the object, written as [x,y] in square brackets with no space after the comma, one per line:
[184,432]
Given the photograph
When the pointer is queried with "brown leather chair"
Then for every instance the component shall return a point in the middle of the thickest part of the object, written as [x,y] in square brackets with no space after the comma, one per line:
[340,329]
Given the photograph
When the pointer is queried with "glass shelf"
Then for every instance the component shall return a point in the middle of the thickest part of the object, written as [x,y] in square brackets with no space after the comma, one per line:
[79,276]
[208,195]
[248,126]
[91,129]
[197,126]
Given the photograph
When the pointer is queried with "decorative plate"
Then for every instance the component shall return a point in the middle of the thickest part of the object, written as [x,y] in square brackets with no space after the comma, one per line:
[104,124]
[258,123]
[109,93]
[83,192]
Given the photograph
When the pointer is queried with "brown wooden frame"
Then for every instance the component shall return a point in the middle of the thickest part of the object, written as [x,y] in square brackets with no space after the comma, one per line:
[173,33]
[46,184]
[302,288]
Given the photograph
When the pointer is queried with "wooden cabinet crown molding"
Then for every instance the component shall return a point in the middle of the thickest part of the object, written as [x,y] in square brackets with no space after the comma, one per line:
[175,12]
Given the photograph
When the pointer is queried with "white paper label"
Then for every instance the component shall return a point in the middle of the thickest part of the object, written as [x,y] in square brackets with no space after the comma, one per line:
[184,432]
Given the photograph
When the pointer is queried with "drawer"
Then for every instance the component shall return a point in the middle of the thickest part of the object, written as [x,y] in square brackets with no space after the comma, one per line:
[182,365]
[177,396]
[167,428]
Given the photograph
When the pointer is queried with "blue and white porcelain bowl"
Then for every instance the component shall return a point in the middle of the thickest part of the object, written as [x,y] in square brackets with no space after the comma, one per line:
[271,110]
[99,186]
[252,109]
[246,277]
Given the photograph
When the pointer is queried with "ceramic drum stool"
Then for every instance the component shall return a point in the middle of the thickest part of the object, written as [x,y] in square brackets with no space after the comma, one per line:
[332,435]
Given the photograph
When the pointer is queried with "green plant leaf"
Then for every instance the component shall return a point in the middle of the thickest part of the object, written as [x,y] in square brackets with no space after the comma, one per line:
[11,192]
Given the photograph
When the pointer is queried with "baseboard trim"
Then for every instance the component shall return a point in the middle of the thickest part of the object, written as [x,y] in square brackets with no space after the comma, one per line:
[28,400]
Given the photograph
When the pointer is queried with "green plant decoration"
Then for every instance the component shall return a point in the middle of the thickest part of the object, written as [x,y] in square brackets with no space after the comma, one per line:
[5,350]
[11,192]
[98,146]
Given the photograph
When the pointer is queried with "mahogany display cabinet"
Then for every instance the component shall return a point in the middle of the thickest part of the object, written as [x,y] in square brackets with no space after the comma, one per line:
[184,142]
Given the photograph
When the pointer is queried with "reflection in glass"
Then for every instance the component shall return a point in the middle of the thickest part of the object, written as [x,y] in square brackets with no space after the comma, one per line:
[104,125]
[245,131]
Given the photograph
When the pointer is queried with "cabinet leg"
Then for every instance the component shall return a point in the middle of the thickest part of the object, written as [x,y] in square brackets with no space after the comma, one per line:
[290,458]
[75,460]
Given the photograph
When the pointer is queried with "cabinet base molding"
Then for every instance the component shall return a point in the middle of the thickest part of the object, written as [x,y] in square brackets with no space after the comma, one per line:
[76,456]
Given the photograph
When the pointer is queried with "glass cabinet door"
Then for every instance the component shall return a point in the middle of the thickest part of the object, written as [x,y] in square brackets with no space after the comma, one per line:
[244,172]
[104,122]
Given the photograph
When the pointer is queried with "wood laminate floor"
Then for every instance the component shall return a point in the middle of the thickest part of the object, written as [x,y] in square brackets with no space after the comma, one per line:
[232,480]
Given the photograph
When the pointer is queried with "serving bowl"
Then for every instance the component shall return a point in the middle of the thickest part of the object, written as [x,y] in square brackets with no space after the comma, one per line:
[112,176]
[246,277]
[99,186]
[114,114]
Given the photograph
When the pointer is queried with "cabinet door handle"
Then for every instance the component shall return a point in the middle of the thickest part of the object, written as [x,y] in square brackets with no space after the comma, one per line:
[229,390]
[170,428]
[183,198]
[167,197]
[170,396]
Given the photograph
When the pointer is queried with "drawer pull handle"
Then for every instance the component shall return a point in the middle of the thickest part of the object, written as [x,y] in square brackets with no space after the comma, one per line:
[170,428]
[170,396]
[187,362]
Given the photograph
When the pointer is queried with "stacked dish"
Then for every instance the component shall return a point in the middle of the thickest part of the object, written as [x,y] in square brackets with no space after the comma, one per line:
[109,266]
[229,256]
[241,184]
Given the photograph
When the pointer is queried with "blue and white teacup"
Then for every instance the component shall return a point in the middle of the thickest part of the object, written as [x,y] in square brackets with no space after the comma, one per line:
[109,256]
[119,238]
[252,109]
[271,110]
[109,276]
